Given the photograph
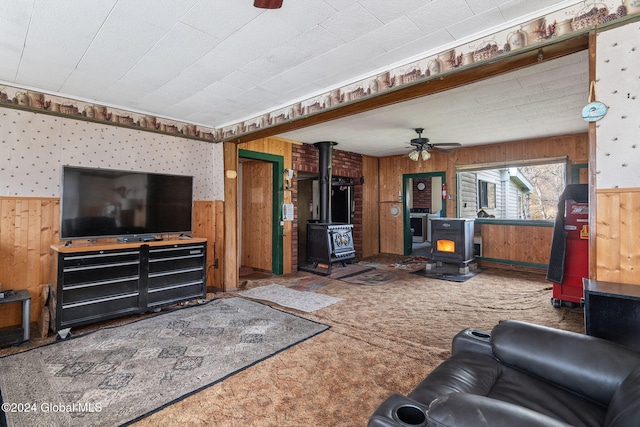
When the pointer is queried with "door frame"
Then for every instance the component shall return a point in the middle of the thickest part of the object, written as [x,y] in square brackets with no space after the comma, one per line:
[277,189]
[406,214]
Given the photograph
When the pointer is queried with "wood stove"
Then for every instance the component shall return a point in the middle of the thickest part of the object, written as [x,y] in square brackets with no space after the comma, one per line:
[328,242]
[452,242]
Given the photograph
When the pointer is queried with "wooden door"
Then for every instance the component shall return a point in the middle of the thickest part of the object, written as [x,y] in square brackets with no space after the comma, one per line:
[257,215]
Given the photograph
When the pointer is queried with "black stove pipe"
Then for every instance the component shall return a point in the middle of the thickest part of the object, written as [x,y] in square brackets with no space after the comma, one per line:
[325,149]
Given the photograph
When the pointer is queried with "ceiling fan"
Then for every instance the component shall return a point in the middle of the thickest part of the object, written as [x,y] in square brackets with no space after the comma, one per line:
[423,147]
[268,4]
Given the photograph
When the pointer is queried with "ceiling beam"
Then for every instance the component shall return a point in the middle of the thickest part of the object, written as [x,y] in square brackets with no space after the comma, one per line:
[466,75]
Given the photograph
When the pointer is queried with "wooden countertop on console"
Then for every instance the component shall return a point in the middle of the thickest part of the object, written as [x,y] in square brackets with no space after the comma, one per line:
[101,246]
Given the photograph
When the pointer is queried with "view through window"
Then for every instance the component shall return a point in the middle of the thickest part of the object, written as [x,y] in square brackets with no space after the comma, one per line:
[523,192]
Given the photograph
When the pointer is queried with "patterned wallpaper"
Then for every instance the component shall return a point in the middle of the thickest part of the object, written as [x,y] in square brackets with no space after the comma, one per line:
[618,87]
[577,18]
[36,146]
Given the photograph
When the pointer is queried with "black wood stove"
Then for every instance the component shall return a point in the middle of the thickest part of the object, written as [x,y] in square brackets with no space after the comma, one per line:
[452,242]
[328,242]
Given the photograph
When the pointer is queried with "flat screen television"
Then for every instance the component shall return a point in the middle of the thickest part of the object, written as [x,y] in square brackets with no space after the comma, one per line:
[99,202]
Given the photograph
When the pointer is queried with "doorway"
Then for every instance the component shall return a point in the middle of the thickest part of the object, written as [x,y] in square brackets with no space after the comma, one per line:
[260,198]
[423,200]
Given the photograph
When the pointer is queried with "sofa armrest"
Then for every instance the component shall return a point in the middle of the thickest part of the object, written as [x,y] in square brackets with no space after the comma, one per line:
[463,409]
[473,340]
[587,365]
[397,411]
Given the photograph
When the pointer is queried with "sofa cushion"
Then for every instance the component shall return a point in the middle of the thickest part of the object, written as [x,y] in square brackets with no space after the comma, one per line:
[473,373]
[462,409]
[624,409]
[592,367]
[466,372]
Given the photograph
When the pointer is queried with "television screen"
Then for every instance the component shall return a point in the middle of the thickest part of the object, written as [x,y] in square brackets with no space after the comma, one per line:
[114,203]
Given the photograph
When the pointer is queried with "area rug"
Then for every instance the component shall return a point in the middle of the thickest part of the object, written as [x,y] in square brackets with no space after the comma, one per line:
[412,264]
[372,278]
[286,297]
[118,375]
[409,264]
[449,273]
[338,271]
[310,283]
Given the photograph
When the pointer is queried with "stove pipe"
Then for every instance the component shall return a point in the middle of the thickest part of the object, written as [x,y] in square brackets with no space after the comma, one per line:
[325,149]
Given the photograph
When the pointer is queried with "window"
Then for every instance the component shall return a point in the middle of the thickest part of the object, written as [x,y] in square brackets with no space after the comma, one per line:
[487,194]
[524,191]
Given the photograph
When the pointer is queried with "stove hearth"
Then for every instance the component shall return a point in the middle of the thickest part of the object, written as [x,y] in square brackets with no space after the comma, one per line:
[452,243]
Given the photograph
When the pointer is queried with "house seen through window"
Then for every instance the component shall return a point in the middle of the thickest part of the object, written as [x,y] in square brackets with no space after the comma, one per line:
[521,192]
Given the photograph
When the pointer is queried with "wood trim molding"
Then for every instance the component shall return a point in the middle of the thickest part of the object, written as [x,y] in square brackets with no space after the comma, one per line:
[593,253]
[230,263]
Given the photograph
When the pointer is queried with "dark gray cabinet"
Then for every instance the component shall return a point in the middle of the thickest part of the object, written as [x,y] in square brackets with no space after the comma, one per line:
[612,312]
[95,283]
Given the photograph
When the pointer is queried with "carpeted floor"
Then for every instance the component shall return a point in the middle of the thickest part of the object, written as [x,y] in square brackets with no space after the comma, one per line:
[104,377]
[383,339]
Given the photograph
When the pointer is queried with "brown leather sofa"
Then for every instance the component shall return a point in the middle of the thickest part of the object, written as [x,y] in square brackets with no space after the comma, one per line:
[523,375]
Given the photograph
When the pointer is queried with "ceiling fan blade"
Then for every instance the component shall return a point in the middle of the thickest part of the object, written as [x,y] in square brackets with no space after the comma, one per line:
[440,150]
[447,144]
[268,4]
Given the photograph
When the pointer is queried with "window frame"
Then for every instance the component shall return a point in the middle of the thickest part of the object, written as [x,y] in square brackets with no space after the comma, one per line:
[486,192]
[507,165]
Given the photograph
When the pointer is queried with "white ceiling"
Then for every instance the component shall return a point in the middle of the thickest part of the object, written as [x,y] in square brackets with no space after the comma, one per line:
[218,62]
[542,100]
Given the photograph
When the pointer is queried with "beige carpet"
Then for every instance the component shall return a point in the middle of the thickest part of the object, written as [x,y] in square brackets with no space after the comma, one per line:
[383,340]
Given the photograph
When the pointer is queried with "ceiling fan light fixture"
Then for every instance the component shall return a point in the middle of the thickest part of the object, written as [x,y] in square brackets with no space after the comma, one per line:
[268,4]
[414,155]
[425,155]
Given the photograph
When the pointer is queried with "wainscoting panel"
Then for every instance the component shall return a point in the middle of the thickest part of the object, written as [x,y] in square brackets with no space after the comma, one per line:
[30,225]
[618,228]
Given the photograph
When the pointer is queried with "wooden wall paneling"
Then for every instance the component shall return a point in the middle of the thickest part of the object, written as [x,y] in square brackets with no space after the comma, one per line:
[574,146]
[33,265]
[523,244]
[391,235]
[219,242]
[49,225]
[370,209]
[617,236]
[629,232]
[9,315]
[205,224]
[28,226]
[608,236]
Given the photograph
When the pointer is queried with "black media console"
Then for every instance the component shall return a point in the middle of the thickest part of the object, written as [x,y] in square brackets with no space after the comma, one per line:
[96,282]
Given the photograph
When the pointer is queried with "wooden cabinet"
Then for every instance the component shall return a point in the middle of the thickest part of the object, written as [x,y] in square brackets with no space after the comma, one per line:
[99,282]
